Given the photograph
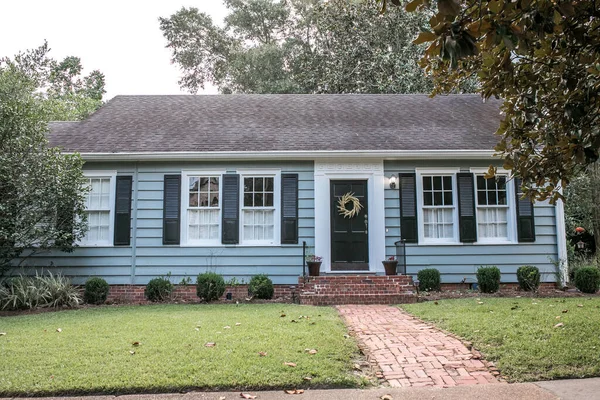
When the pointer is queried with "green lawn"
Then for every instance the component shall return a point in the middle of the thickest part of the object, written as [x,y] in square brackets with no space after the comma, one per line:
[519,334]
[91,354]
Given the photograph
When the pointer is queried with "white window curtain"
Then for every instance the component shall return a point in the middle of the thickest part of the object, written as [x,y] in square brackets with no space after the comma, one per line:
[98,211]
[204,208]
[258,211]
[492,208]
[438,207]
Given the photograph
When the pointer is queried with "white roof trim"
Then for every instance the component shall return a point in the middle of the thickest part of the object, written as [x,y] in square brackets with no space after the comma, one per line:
[291,155]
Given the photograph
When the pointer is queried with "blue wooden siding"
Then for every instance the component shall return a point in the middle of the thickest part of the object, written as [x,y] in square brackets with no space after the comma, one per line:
[119,266]
[456,262]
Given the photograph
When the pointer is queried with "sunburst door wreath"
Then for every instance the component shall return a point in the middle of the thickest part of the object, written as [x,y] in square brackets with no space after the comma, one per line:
[349,198]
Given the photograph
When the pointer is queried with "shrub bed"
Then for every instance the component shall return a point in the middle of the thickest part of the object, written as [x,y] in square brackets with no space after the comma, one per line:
[488,279]
[210,286]
[429,280]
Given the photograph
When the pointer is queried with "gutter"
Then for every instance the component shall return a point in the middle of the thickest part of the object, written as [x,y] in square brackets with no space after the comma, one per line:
[292,155]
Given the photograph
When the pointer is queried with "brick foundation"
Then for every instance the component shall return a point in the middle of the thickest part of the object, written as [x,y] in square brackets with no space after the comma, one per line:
[187,293]
[504,287]
[356,289]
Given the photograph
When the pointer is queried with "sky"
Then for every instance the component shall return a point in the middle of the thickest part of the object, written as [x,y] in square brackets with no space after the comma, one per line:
[121,38]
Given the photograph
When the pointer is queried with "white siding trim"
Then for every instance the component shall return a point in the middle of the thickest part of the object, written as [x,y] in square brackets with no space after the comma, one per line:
[561,239]
[373,172]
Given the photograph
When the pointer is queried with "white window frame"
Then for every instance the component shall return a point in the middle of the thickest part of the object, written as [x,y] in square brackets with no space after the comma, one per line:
[511,217]
[112,175]
[420,173]
[257,173]
[185,203]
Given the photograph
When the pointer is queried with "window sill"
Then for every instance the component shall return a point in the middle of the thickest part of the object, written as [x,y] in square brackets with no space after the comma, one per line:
[97,245]
[494,242]
[439,243]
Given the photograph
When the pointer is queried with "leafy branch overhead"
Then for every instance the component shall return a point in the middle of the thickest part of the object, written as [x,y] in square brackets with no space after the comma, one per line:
[542,58]
[298,46]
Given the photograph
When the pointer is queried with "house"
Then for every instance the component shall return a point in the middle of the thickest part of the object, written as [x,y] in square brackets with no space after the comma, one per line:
[236,183]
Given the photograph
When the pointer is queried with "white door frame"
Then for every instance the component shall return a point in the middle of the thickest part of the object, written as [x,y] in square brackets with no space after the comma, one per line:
[372,172]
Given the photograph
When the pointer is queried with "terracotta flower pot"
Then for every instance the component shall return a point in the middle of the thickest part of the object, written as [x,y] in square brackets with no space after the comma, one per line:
[313,267]
[390,267]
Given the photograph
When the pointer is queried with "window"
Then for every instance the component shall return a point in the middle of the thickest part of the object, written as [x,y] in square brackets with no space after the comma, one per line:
[258,209]
[438,208]
[492,208]
[99,210]
[203,208]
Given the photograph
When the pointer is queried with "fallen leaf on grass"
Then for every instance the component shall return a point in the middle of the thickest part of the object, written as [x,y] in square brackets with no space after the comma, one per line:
[210,344]
[136,343]
[307,378]
[436,303]
[386,397]
[238,323]
[227,327]
[558,317]
[2,333]
[357,367]
[222,398]
[579,305]
[197,329]
[289,364]
[293,320]
[346,336]
[59,330]
[295,391]
[559,325]
[480,302]
[131,352]
[262,353]
[312,351]
[247,396]
[565,311]
[282,315]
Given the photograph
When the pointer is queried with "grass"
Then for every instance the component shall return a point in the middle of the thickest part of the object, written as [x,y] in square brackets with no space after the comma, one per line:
[519,334]
[91,354]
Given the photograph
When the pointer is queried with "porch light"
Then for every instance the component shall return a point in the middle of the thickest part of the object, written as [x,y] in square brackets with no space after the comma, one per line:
[393,182]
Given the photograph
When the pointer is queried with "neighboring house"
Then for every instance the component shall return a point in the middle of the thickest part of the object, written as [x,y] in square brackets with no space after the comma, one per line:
[236,183]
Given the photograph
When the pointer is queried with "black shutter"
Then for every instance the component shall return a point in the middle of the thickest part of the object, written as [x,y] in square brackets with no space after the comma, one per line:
[466,207]
[172,209]
[525,217]
[123,211]
[408,207]
[289,208]
[231,209]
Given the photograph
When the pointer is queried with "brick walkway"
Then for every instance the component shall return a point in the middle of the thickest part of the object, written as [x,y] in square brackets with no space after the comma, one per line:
[410,352]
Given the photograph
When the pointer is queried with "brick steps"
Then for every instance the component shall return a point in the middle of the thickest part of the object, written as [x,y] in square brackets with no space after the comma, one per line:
[356,289]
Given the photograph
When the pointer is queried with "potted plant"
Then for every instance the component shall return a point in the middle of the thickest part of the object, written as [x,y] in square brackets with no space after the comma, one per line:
[314,264]
[390,265]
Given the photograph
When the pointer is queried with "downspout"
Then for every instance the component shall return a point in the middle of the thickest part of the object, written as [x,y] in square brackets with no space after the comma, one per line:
[134,212]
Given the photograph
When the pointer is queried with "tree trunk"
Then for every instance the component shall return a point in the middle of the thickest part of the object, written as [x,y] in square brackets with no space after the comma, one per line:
[594,171]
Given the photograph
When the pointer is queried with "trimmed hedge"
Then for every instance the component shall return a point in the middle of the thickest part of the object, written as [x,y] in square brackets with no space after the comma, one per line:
[488,279]
[528,277]
[261,287]
[429,279]
[158,289]
[587,279]
[96,291]
[210,286]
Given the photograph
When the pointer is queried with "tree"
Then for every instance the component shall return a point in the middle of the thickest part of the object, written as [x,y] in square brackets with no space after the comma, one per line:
[542,57]
[581,206]
[42,191]
[69,95]
[299,46]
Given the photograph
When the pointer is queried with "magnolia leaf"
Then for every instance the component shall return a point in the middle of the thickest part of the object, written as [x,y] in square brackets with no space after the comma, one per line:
[579,305]
[357,367]
[282,315]
[295,391]
[2,333]
[425,37]
[312,351]
[227,327]
[386,397]
[289,364]
[136,343]
[210,344]
[396,2]
[558,317]
[307,378]
[59,330]
[293,321]
[262,353]
[565,311]
[448,7]
[238,323]
[559,325]
[495,6]
[480,302]
[222,398]
[131,352]
[413,5]
[491,172]
[247,396]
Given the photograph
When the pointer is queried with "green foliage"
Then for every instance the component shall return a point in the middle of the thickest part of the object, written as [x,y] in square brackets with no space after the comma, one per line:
[541,59]
[64,92]
[299,46]
[261,287]
[582,197]
[429,279]
[29,292]
[158,289]
[42,191]
[488,279]
[587,279]
[528,277]
[210,286]
[96,291]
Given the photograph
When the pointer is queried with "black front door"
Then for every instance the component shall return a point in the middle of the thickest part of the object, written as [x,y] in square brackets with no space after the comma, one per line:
[349,233]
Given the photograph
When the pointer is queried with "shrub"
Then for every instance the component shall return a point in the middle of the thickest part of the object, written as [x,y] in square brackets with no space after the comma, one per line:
[528,277]
[28,292]
[210,286]
[587,279]
[488,279]
[158,289]
[261,287]
[96,291]
[429,279]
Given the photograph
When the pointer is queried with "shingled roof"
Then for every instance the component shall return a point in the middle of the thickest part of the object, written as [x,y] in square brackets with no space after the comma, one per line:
[268,123]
